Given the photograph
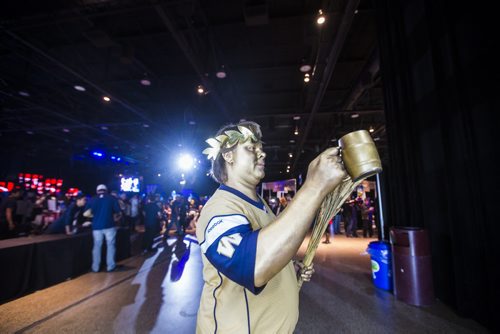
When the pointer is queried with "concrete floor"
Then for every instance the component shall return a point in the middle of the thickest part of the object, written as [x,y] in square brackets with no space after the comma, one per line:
[159,293]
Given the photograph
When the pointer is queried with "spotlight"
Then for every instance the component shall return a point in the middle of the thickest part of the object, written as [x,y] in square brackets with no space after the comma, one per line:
[307,78]
[290,155]
[145,82]
[296,132]
[321,18]
[186,162]
[106,98]
[200,90]
[66,130]
[23,93]
[145,125]
[371,129]
[354,115]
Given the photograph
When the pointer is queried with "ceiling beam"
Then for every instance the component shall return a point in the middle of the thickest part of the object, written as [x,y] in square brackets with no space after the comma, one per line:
[116,99]
[333,56]
[191,57]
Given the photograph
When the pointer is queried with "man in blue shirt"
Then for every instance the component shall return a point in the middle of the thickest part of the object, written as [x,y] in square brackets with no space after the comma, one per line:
[105,211]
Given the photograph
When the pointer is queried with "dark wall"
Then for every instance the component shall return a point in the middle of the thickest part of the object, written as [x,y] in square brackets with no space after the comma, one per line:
[437,66]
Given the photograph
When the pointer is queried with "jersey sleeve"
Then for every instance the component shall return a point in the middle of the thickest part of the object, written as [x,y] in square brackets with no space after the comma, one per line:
[230,245]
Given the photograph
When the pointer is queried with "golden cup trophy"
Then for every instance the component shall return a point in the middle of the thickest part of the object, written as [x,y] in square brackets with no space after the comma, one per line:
[361,160]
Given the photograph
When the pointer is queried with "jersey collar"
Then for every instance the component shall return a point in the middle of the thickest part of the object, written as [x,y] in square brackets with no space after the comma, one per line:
[244,197]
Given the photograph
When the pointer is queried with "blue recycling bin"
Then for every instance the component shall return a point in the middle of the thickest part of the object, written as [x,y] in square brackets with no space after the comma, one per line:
[381,259]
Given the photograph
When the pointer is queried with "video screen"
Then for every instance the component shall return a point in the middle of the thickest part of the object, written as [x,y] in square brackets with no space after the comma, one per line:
[130,184]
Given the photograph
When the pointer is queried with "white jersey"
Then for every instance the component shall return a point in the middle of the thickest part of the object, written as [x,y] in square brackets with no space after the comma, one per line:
[227,230]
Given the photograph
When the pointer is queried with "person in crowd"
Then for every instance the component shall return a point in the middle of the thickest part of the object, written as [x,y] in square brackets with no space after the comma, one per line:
[281,207]
[250,283]
[191,221]
[175,208]
[152,215]
[105,211]
[72,220]
[350,216]
[134,212]
[336,222]
[24,211]
[358,203]
[9,226]
[273,204]
[183,209]
[367,216]
[327,232]
[124,203]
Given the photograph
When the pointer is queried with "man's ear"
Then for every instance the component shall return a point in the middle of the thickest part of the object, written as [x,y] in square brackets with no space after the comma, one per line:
[228,156]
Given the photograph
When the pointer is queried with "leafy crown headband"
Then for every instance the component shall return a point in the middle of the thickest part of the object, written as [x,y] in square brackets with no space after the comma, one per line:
[228,140]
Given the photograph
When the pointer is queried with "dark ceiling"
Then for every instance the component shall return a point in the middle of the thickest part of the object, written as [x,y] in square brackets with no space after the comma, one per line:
[108,47]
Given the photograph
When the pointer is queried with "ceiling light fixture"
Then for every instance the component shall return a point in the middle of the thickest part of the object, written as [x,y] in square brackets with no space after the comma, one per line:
[23,93]
[305,68]
[296,118]
[65,130]
[321,18]
[290,154]
[371,129]
[200,89]
[79,88]
[307,77]
[221,74]
[145,125]
[354,115]
[106,98]
[145,82]
[296,132]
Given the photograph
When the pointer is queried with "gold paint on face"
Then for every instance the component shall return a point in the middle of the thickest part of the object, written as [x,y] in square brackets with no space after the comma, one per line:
[249,162]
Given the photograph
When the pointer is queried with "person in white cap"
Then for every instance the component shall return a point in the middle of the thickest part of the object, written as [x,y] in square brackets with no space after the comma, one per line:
[104,209]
